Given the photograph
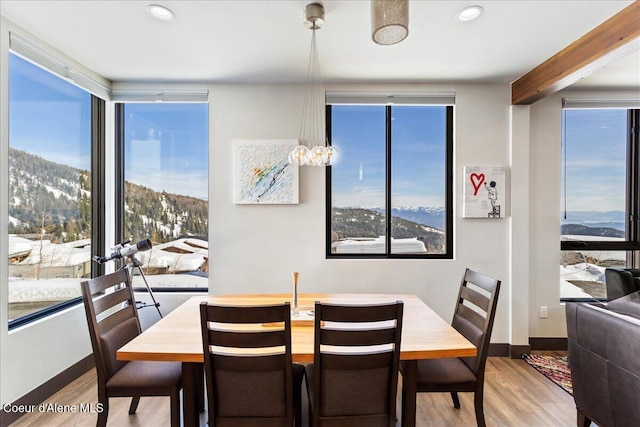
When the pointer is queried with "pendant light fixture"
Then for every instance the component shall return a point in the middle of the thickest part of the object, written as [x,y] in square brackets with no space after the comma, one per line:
[389,21]
[312,149]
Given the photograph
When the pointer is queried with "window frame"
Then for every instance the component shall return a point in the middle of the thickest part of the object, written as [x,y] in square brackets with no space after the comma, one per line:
[98,141]
[120,101]
[448,229]
[631,244]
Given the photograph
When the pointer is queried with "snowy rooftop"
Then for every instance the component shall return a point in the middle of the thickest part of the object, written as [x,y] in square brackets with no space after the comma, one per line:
[377,245]
[49,254]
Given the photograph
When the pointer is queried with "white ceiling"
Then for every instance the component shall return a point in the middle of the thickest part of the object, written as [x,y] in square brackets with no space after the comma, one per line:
[265,41]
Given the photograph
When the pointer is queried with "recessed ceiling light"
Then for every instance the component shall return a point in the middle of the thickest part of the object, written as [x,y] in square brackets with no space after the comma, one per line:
[160,12]
[469,13]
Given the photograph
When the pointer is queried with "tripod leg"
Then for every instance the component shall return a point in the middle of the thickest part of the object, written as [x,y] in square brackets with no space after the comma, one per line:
[153,298]
[136,264]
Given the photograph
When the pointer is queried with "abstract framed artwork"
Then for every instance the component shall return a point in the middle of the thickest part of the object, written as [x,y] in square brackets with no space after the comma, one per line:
[484,192]
[262,172]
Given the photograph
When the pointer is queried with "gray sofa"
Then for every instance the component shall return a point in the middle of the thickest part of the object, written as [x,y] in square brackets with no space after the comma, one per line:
[604,357]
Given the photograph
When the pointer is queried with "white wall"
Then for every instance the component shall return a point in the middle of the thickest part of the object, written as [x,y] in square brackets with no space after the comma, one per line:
[255,248]
[520,224]
[546,123]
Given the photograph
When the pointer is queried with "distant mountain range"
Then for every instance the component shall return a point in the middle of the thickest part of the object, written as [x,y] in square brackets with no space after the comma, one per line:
[361,222]
[595,219]
[594,216]
[583,230]
[57,198]
[433,217]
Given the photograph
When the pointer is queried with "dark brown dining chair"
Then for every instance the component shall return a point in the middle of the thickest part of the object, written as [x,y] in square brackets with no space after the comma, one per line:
[113,321]
[473,318]
[250,378]
[353,380]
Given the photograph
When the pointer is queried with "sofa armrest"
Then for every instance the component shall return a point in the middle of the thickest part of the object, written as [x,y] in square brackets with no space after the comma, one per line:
[621,282]
[628,305]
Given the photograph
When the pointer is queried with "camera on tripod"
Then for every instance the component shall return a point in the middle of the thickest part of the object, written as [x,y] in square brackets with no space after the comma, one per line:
[124,249]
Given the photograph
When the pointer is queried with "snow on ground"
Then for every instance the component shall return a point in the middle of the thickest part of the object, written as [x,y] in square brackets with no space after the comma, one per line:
[583,271]
[569,290]
[58,290]
[172,281]
[43,290]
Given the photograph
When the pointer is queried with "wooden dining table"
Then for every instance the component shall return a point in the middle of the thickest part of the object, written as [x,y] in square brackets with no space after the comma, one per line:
[177,338]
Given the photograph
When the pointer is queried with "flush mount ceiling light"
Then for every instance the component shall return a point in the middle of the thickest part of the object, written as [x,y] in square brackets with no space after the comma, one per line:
[389,21]
[469,13]
[160,12]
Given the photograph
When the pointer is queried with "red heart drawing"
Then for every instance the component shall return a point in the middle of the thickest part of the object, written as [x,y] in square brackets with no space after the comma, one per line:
[477,179]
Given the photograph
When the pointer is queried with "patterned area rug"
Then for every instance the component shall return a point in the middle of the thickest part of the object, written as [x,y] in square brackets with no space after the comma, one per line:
[555,368]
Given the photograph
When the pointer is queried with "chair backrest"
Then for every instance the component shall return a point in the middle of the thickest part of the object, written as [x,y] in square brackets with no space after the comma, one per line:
[248,364]
[112,318]
[356,358]
[474,314]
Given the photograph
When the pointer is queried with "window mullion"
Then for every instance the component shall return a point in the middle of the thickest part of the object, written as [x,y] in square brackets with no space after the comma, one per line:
[119,173]
[328,192]
[633,183]
[388,180]
[97,182]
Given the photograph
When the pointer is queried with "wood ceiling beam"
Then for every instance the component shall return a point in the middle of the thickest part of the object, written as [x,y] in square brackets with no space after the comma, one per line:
[613,39]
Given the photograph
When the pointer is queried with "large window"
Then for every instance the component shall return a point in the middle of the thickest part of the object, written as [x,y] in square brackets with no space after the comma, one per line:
[166,179]
[600,199]
[51,126]
[389,194]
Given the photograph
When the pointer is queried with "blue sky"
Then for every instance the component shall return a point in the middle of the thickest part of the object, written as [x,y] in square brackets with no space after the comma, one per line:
[595,145]
[166,145]
[48,116]
[418,155]
[51,118]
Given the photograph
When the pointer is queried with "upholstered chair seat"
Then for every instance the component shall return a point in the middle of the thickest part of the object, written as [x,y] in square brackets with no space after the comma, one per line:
[147,377]
[446,371]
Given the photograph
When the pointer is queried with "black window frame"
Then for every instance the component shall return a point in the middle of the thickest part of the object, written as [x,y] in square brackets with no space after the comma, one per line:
[631,244]
[448,229]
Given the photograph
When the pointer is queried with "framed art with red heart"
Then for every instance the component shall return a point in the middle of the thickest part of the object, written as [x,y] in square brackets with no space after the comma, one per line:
[484,192]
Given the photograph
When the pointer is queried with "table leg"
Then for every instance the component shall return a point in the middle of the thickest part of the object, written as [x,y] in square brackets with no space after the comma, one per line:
[190,393]
[199,378]
[409,385]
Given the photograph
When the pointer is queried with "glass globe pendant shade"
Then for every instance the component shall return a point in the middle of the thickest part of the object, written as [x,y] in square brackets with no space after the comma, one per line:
[389,21]
[317,156]
[321,155]
[331,154]
[298,156]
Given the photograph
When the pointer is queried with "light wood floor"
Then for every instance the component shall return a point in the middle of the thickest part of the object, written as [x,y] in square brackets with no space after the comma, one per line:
[515,395]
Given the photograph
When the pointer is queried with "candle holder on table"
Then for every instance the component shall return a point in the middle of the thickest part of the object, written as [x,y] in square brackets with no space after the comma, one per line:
[296,308]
